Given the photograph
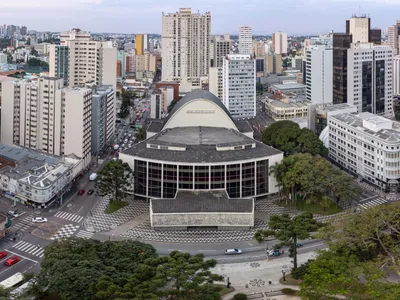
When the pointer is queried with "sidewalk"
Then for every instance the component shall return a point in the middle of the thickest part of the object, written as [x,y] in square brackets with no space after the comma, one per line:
[258,274]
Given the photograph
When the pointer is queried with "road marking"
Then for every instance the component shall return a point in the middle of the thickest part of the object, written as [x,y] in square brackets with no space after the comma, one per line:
[80,209]
[170,250]
[35,261]
[206,250]
[253,248]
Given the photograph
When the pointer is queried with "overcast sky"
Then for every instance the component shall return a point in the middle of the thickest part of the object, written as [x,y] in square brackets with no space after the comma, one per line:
[144,16]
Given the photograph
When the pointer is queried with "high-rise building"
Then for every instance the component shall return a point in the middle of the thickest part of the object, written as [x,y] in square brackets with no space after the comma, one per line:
[274,63]
[121,64]
[186,48]
[239,83]
[279,43]
[245,40]
[216,82]
[359,27]
[3,58]
[259,49]
[376,36]
[393,37]
[319,74]
[222,47]
[141,43]
[396,75]
[369,78]
[341,42]
[45,116]
[88,60]
[103,118]
[160,100]
[146,62]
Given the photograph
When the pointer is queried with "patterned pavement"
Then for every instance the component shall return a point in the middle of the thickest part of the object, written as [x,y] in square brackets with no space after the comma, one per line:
[65,232]
[100,221]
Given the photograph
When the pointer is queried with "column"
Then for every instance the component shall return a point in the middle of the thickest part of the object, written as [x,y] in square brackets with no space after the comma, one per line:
[240,180]
[209,177]
[255,178]
[162,181]
[194,169]
[147,178]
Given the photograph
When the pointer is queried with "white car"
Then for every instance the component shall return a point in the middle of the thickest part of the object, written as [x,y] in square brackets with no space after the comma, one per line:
[13,214]
[233,251]
[39,220]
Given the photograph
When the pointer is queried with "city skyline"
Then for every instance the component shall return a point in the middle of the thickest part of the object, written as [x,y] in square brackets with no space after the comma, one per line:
[266,17]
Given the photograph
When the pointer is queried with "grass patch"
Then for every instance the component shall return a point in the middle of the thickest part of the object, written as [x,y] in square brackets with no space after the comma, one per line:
[224,290]
[113,206]
[313,208]
[290,280]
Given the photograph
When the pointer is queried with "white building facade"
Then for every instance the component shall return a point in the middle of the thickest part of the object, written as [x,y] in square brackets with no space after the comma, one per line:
[367,145]
[216,82]
[245,40]
[88,60]
[186,48]
[239,84]
[359,27]
[396,75]
[319,69]
[46,116]
[370,78]
[279,43]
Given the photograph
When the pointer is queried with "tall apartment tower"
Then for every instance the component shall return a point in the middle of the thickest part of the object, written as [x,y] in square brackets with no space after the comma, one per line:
[341,43]
[279,43]
[396,75]
[142,43]
[239,84]
[245,40]
[222,47]
[45,116]
[369,78]
[393,37]
[185,48]
[88,60]
[319,75]
[360,28]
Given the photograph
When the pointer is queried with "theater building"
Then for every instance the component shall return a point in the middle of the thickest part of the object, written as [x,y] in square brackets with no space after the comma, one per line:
[200,168]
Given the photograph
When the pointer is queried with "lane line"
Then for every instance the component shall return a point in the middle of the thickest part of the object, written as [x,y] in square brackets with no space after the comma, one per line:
[35,261]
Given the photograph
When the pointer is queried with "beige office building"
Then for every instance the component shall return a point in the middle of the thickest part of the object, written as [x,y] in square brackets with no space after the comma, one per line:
[393,37]
[43,115]
[185,48]
[80,60]
[359,28]
[279,43]
[146,62]
[222,47]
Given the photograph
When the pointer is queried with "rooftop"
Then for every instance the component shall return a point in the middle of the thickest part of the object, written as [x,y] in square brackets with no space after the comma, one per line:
[199,144]
[289,86]
[199,201]
[282,104]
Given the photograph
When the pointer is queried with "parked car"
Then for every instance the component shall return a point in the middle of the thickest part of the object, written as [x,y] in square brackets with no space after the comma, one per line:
[12,261]
[13,214]
[39,220]
[299,245]
[233,251]
[90,192]
[81,192]
[3,254]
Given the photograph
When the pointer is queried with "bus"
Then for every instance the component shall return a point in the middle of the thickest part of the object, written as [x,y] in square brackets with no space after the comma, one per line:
[18,291]
[12,281]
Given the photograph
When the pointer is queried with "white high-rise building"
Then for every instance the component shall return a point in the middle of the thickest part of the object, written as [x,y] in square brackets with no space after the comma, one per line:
[45,116]
[3,58]
[245,40]
[186,48]
[396,75]
[80,60]
[370,78]
[359,28]
[279,43]
[319,72]
[239,83]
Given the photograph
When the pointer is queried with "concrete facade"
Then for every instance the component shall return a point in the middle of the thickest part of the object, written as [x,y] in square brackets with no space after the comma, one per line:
[245,40]
[279,43]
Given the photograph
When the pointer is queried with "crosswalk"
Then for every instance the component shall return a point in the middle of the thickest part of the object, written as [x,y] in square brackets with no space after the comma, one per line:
[84,234]
[29,248]
[372,203]
[23,224]
[68,216]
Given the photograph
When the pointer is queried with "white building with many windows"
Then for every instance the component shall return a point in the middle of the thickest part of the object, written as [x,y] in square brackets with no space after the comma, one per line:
[245,40]
[367,145]
[396,75]
[239,84]
[369,78]
[43,115]
[319,72]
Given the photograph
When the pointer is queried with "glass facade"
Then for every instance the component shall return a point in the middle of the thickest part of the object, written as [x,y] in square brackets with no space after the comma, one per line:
[341,42]
[380,86]
[240,180]
[367,86]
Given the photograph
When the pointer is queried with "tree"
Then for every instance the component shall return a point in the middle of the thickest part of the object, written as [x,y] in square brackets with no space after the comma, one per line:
[127,102]
[289,138]
[363,250]
[140,134]
[71,267]
[289,230]
[114,180]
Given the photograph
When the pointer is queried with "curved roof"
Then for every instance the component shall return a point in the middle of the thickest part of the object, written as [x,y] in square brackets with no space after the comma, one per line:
[198,95]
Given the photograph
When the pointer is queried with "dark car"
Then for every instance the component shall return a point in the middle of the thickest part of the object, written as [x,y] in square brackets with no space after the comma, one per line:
[81,192]
[90,192]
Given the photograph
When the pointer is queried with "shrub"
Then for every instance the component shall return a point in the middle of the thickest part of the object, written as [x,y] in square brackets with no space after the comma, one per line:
[288,291]
[240,296]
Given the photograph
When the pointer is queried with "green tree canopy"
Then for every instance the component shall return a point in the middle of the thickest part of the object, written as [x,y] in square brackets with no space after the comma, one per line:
[289,230]
[289,138]
[363,250]
[71,266]
[115,180]
[128,98]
